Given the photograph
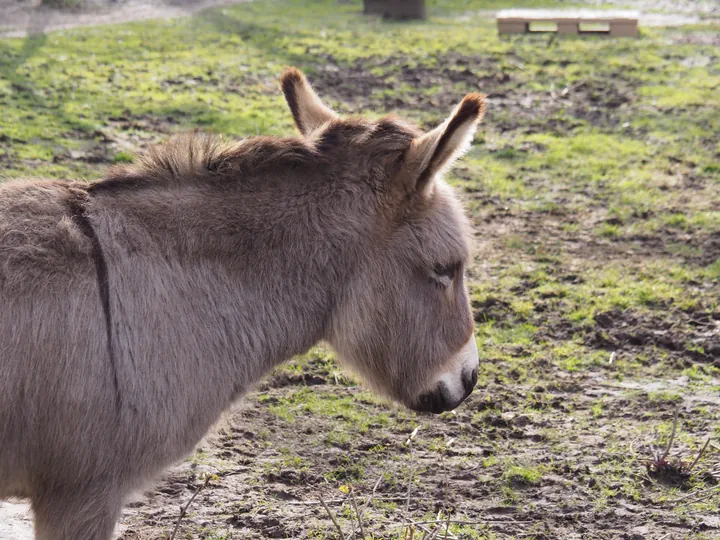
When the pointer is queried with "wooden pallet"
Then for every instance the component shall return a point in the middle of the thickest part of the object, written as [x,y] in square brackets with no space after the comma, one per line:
[613,23]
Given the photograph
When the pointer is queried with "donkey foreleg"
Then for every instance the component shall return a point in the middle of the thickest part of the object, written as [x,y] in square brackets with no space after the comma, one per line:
[65,515]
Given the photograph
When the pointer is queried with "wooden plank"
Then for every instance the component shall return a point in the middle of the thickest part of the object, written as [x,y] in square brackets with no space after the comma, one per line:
[624,30]
[567,22]
[567,28]
[527,15]
[512,27]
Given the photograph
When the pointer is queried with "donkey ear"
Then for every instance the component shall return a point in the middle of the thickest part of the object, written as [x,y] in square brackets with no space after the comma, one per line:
[433,152]
[307,109]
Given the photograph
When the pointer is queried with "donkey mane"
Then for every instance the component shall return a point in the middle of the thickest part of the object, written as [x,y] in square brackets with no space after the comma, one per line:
[192,156]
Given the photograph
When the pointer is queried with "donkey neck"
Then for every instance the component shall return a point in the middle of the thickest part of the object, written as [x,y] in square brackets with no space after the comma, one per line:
[265,260]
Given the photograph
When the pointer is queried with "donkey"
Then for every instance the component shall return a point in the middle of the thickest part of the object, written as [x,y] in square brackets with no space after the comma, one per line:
[134,310]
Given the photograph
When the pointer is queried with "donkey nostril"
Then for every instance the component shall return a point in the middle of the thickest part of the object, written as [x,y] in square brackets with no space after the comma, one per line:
[470,381]
[431,402]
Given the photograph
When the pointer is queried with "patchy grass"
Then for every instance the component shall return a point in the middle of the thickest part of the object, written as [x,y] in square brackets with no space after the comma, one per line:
[593,187]
[519,475]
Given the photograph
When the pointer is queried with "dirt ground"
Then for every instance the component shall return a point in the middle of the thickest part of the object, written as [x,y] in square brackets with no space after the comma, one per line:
[28,17]
[596,306]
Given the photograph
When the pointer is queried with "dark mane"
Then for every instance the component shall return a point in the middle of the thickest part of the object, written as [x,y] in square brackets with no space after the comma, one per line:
[192,156]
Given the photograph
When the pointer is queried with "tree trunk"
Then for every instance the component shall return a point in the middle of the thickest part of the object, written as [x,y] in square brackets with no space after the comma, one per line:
[402,10]
[376,7]
[396,9]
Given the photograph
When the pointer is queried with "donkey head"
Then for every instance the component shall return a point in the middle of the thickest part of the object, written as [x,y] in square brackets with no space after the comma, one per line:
[403,319]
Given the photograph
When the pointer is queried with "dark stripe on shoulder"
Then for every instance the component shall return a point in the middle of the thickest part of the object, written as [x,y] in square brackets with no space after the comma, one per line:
[77,213]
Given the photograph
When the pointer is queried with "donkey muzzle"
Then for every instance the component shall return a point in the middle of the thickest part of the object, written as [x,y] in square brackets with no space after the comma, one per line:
[452,388]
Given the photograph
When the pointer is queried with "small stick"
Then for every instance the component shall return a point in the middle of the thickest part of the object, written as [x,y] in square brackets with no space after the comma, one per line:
[419,525]
[461,522]
[407,497]
[332,518]
[187,505]
[315,503]
[372,495]
[359,516]
[672,435]
[412,472]
[571,87]
[520,67]
[702,451]
[692,496]
[554,97]
[340,501]
[712,493]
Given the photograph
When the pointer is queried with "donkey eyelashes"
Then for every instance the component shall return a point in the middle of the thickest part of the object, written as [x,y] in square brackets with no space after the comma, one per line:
[448,270]
[445,274]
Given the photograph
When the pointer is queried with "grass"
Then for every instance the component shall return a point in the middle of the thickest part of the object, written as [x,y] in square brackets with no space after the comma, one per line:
[523,475]
[593,187]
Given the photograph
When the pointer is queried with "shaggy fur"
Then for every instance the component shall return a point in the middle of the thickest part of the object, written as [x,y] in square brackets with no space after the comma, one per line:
[134,310]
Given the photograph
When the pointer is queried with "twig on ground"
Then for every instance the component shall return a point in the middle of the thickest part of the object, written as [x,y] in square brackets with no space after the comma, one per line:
[553,96]
[446,486]
[567,89]
[696,495]
[700,454]
[521,68]
[407,496]
[342,501]
[315,503]
[412,472]
[184,509]
[672,435]
[332,517]
[357,513]
[372,495]
[715,490]
[463,522]
[412,436]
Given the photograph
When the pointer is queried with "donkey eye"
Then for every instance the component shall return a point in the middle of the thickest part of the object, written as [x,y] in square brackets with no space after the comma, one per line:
[446,272]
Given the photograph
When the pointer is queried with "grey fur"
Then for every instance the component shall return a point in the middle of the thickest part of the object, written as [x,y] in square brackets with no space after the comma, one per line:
[222,261]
